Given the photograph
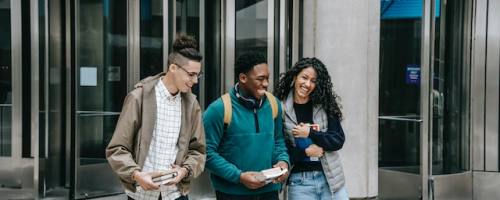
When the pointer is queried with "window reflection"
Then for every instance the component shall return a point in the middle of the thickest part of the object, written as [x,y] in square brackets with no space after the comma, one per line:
[101,73]
[151,37]
[187,20]
[399,96]
[399,90]
[251,26]
[450,132]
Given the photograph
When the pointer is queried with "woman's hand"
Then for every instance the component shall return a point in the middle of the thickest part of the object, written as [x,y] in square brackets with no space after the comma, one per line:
[314,151]
[301,131]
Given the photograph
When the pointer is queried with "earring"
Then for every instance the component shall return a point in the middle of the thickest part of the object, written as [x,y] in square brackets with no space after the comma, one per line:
[291,85]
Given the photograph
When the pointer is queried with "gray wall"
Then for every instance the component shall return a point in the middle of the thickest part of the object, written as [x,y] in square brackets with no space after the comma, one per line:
[345,36]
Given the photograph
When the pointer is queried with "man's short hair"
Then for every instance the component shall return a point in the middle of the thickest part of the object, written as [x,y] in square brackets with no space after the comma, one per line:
[247,61]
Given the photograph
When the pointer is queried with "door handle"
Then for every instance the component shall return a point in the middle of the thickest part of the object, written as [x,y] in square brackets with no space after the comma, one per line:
[401,118]
[96,113]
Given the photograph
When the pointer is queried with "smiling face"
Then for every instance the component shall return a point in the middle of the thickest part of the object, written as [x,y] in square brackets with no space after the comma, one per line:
[184,76]
[304,84]
[255,82]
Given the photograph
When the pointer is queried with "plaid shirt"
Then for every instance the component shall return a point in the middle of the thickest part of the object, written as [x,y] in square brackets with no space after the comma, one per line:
[163,148]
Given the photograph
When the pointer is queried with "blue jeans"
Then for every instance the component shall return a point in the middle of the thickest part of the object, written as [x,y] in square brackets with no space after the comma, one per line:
[264,196]
[312,185]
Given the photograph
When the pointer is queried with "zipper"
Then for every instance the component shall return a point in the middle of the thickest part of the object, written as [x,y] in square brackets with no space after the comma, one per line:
[256,120]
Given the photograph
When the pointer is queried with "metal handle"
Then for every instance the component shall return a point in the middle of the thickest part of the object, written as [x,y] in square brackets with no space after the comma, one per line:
[96,113]
[401,118]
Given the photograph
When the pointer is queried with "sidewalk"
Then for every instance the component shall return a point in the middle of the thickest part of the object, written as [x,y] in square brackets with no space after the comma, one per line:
[63,194]
[200,190]
[57,194]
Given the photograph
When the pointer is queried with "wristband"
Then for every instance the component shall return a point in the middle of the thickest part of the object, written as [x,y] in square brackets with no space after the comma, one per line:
[188,172]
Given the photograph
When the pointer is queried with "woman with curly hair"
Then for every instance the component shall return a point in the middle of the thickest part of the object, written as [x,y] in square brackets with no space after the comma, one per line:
[313,133]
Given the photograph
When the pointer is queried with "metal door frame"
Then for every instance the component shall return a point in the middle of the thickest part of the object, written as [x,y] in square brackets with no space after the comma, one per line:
[11,166]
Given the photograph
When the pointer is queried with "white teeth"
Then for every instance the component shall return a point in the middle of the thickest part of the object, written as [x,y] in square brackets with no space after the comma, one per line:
[306,90]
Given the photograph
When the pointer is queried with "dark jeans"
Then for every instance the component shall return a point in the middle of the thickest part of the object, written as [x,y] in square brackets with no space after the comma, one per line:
[159,198]
[264,196]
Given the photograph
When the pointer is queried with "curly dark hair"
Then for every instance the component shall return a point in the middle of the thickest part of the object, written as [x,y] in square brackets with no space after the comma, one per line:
[247,61]
[184,50]
[323,93]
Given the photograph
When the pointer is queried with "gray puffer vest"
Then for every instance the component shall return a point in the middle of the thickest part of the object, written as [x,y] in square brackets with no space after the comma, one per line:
[332,168]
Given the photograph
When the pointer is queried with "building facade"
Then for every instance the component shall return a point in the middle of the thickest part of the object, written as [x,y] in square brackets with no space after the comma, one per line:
[418,81]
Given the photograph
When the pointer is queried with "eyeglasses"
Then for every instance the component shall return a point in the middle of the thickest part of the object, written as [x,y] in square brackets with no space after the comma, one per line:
[191,74]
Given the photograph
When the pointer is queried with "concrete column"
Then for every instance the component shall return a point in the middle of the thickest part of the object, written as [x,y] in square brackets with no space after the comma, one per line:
[345,36]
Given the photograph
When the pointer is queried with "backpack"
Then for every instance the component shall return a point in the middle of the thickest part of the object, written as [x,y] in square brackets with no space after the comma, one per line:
[226,100]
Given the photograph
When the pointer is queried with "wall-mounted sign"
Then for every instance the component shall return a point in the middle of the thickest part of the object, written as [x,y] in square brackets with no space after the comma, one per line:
[413,74]
[88,76]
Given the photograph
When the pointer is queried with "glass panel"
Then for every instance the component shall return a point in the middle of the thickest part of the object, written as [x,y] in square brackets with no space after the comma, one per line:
[212,60]
[400,145]
[188,21]
[188,17]
[251,26]
[101,73]
[151,37]
[5,80]
[25,147]
[450,136]
[399,103]
[41,79]
[438,95]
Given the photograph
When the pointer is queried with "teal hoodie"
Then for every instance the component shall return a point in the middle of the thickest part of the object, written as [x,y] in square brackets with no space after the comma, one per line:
[241,148]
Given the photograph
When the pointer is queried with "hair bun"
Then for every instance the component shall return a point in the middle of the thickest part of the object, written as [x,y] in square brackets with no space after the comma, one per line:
[184,41]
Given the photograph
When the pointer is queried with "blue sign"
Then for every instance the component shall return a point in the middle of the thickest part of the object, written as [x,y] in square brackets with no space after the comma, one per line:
[404,9]
[413,74]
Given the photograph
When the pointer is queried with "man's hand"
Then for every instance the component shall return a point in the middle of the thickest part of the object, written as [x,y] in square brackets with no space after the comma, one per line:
[282,165]
[181,173]
[301,131]
[144,180]
[248,179]
[314,151]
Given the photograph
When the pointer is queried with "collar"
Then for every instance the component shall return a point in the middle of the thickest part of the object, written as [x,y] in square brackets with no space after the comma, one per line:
[164,93]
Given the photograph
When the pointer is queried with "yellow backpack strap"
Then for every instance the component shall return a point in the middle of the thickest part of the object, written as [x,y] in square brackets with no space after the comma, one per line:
[226,100]
[274,104]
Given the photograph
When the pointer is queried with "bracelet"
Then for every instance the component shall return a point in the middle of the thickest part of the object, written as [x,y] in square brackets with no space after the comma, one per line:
[188,172]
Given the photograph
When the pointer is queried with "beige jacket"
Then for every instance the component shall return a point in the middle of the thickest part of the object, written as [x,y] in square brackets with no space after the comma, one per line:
[129,146]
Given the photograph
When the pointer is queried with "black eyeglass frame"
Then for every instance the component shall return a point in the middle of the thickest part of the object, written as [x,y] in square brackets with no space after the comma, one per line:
[191,74]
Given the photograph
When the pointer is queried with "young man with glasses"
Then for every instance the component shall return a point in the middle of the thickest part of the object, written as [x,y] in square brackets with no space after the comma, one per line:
[160,128]
[252,141]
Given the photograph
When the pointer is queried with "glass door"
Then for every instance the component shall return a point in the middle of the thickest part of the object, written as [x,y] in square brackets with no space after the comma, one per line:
[101,84]
[401,103]
[424,139]
[10,94]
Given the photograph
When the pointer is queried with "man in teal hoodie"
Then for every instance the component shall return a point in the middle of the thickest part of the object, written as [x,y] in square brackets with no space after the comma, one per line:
[253,140]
